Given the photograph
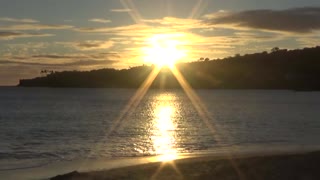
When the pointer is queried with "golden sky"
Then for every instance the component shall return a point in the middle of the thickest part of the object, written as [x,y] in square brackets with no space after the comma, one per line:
[83,35]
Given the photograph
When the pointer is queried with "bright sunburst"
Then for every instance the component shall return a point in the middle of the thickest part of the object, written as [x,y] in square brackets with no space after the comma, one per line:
[164,50]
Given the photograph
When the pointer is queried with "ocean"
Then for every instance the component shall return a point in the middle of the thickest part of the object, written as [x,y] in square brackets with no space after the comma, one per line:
[42,126]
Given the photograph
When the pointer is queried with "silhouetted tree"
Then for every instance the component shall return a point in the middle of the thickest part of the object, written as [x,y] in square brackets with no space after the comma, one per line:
[275,49]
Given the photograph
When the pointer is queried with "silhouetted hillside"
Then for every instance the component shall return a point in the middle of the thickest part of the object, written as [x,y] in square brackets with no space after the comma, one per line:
[280,69]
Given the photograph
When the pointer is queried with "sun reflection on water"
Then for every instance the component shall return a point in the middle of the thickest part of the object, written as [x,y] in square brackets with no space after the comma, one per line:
[163,137]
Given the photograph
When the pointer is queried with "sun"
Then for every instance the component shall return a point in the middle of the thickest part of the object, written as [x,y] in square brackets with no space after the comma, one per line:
[163,50]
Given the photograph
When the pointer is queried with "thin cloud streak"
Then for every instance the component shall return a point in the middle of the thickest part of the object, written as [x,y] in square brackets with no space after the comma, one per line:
[88,45]
[93,45]
[14,20]
[62,58]
[120,10]
[22,27]
[8,35]
[73,63]
[99,20]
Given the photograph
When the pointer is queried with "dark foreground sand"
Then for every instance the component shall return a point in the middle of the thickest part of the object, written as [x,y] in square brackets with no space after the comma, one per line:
[304,166]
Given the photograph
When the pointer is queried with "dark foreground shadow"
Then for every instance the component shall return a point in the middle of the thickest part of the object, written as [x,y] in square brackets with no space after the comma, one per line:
[269,167]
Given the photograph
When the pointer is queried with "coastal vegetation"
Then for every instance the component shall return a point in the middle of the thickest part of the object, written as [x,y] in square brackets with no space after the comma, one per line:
[278,69]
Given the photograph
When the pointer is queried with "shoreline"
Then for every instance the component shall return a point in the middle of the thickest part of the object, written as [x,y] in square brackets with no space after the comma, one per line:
[166,89]
[299,165]
[92,167]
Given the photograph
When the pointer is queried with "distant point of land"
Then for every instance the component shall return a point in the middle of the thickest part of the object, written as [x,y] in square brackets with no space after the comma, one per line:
[279,69]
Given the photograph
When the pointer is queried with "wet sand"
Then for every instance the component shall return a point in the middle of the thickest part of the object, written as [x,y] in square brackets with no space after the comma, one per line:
[293,166]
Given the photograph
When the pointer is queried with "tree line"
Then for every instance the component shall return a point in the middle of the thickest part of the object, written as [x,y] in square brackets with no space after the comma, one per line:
[279,69]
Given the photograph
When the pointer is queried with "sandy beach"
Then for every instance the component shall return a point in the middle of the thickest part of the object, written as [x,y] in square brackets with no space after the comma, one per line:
[299,165]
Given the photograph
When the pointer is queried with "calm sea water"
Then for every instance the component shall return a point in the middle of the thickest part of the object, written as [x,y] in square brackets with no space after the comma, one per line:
[39,126]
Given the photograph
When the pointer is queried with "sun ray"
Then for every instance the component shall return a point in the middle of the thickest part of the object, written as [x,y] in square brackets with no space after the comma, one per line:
[162,165]
[195,100]
[129,108]
[205,116]
[198,9]
[155,174]
[195,9]
[134,13]
[168,7]
[135,100]
[166,53]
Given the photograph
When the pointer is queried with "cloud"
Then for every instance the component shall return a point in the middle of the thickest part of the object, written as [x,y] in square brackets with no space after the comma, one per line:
[136,27]
[8,62]
[308,41]
[7,19]
[7,35]
[135,30]
[296,20]
[120,10]
[188,32]
[21,27]
[73,63]
[91,45]
[98,20]
[182,30]
[57,60]
[89,63]
[88,45]
[148,27]
[54,56]
[172,21]
[254,36]
[29,67]
[111,54]
[31,45]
